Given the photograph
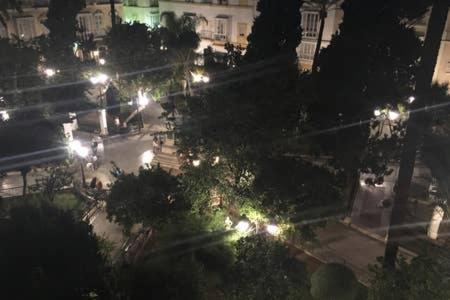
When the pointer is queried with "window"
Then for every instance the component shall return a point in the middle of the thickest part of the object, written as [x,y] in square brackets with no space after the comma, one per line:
[25,28]
[220,30]
[448,67]
[310,24]
[306,50]
[98,17]
[84,20]
[154,20]
[242,29]
[3,33]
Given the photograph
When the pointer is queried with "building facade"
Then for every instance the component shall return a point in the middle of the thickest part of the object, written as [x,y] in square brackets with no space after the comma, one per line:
[95,19]
[226,21]
[142,11]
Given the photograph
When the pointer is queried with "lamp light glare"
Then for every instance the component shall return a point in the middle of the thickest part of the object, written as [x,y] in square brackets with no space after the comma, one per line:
[196,162]
[273,229]
[142,99]
[49,72]
[411,99]
[242,226]
[393,115]
[102,61]
[147,157]
[377,112]
[4,115]
[99,78]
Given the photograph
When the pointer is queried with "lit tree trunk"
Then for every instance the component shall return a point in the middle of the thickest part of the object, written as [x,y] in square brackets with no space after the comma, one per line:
[416,125]
[323,16]
[113,13]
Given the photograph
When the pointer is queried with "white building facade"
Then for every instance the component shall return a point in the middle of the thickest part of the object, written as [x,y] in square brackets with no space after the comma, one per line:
[95,19]
[142,11]
[227,21]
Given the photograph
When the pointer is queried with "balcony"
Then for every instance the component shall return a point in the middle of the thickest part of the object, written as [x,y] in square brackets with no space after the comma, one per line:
[243,3]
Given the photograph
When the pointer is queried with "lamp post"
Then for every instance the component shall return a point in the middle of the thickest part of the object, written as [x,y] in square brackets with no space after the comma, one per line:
[82,152]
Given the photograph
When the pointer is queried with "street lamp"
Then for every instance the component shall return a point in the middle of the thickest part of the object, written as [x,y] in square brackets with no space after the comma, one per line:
[273,229]
[142,99]
[243,226]
[147,157]
[393,115]
[411,99]
[102,61]
[4,115]
[99,78]
[197,78]
[196,162]
[82,152]
[49,72]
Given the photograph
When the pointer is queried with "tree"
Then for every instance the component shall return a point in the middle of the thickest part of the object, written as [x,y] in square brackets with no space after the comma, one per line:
[294,189]
[4,14]
[276,32]
[66,88]
[49,255]
[322,6]
[416,125]
[31,140]
[423,278]
[265,270]
[335,281]
[172,279]
[57,177]
[380,72]
[150,197]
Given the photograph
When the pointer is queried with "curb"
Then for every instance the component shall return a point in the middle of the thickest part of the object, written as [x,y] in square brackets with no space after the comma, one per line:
[374,236]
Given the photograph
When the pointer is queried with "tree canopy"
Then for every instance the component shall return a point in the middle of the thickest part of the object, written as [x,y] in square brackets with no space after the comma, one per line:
[47,254]
[149,197]
[265,270]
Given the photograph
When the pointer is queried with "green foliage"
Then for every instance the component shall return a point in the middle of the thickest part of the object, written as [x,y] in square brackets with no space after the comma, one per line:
[381,71]
[265,270]
[63,25]
[334,282]
[424,278]
[172,279]
[276,32]
[49,255]
[150,197]
[288,186]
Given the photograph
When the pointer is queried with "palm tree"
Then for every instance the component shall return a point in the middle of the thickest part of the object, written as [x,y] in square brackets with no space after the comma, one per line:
[322,6]
[180,37]
[416,125]
[4,6]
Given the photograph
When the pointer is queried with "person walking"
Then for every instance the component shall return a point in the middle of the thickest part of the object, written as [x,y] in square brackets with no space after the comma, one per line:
[161,143]
[155,145]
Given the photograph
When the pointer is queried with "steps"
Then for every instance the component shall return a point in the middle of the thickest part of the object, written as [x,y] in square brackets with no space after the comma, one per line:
[167,158]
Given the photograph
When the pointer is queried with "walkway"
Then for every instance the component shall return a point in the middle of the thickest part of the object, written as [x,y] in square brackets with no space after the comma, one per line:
[340,243]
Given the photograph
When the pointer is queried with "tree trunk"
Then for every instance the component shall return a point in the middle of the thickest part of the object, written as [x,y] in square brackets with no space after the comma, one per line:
[351,187]
[113,13]
[416,125]
[323,16]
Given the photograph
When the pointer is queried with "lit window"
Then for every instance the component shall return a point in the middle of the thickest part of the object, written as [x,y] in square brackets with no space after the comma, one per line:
[310,24]
[98,17]
[25,28]
[220,30]
[306,50]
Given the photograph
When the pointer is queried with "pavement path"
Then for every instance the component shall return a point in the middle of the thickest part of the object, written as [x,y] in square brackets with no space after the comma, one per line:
[340,243]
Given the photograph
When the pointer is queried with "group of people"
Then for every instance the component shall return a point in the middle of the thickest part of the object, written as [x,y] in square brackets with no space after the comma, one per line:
[158,142]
